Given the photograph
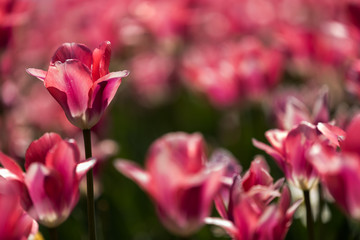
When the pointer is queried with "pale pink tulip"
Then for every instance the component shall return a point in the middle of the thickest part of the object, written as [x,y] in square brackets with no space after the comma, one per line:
[80,81]
[179,180]
[52,177]
[249,215]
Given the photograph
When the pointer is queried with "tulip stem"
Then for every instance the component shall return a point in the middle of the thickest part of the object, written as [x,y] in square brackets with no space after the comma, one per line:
[90,187]
[53,233]
[309,215]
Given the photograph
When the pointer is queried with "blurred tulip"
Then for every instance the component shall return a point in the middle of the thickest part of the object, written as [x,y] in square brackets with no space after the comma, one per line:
[249,215]
[52,177]
[179,180]
[339,171]
[289,150]
[80,81]
[15,223]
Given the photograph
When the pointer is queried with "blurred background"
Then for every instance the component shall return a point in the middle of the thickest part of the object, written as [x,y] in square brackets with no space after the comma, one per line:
[225,69]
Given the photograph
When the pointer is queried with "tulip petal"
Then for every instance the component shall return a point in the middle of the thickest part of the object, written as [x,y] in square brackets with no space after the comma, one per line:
[102,93]
[352,139]
[11,165]
[73,51]
[39,148]
[333,133]
[83,167]
[40,74]
[134,172]
[101,60]
[278,157]
[225,224]
[69,83]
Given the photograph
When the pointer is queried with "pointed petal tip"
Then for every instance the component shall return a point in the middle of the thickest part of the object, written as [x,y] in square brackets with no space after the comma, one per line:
[38,73]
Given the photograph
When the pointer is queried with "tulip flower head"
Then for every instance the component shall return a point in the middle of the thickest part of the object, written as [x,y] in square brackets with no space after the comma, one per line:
[289,150]
[80,81]
[339,171]
[249,215]
[179,180]
[52,177]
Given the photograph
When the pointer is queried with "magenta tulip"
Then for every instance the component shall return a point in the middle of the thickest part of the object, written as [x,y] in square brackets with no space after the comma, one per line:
[339,171]
[289,150]
[249,215]
[80,81]
[52,177]
[15,223]
[179,180]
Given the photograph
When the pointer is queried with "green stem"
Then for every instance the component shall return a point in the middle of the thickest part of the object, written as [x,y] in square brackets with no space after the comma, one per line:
[309,216]
[53,233]
[90,186]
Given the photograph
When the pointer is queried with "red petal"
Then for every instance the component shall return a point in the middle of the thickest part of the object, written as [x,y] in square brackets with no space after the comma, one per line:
[101,60]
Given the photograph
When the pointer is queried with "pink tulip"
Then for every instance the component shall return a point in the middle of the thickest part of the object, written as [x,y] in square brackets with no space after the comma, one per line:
[289,150]
[52,177]
[179,180]
[15,224]
[249,215]
[339,171]
[80,81]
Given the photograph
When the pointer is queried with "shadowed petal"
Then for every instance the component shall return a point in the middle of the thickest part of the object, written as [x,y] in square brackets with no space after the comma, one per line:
[73,51]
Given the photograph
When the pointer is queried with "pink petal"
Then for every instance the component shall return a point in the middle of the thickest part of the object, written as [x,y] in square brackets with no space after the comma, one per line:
[12,166]
[34,180]
[101,60]
[225,224]
[69,83]
[134,172]
[40,74]
[63,159]
[102,93]
[321,107]
[333,133]
[278,157]
[73,51]
[39,148]
[83,167]
[352,139]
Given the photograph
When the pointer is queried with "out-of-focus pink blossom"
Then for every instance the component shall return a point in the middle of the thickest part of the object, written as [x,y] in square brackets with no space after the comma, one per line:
[179,180]
[151,74]
[289,150]
[339,171]
[15,223]
[80,81]
[291,111]
[353,78]
[249,215]
[50,184]
[237,70]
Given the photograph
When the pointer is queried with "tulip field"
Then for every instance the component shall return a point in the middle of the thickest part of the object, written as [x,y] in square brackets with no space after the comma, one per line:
[179,119]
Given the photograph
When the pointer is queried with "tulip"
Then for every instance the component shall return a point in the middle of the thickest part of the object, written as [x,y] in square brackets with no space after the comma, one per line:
[339,171]
[15,223]
[80,81]
[51,181]
[289,150]
[249,214]
[179,180]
